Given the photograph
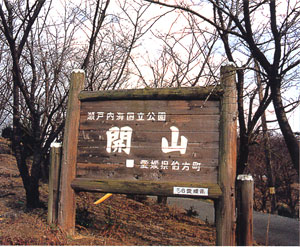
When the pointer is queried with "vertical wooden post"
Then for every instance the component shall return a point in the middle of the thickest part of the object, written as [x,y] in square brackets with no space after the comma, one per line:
[225,206]
[54,182]
[244,210]
[67,205]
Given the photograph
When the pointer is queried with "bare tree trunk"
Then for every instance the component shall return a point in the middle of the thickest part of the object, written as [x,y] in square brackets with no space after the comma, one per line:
[30,181]
[244,136]
[99,17]
[266,143]
[32,193]
[289,137]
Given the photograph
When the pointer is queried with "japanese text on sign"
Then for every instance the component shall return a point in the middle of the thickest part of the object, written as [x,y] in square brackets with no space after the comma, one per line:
[190,191]
[127,116]
[164,165]
[119,139]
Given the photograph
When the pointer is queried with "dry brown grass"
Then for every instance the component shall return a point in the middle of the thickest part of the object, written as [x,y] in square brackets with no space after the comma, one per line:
[117,221]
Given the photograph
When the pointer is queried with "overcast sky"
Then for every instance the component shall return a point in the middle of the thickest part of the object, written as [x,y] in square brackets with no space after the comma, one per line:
[149,46]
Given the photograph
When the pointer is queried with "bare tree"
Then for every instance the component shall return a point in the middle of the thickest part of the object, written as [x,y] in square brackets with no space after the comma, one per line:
[16,35]
[37,50]
[184,57]
[266,145]
[271,41]
[189,57]
[5,89]
[42,45]
[97,23]
[116,44]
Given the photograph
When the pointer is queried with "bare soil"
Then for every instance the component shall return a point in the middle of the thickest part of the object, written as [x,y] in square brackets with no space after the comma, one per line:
[117,221]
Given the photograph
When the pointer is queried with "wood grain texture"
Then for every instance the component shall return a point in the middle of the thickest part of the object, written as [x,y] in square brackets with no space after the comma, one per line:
[245,191]
[119,171]
[196,120]
[54,184]
[66,213]
[154,94]
[225,207]
[140,187]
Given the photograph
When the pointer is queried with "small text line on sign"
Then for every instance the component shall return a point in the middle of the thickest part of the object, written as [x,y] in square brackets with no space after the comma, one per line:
[190,191]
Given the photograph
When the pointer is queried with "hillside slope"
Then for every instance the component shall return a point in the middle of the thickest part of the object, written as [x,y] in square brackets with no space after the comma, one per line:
[117,221]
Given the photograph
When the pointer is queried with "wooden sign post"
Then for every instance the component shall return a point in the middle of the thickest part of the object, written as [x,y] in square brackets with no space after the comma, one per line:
[67,205]
[178,142]
[245,190]
[54,183]
[225,205]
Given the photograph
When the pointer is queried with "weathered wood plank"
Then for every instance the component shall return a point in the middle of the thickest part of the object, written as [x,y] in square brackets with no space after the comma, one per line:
[141,187]
[197,107]
[196,120]
[97,138]
[225,207]
[183,122]
[154,94]
[159,172]
[66,214]
[96,155]
[245,190]
[54,182]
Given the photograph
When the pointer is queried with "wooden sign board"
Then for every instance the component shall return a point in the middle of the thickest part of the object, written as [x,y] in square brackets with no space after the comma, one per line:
[149,140]
[158,140]
[169,142]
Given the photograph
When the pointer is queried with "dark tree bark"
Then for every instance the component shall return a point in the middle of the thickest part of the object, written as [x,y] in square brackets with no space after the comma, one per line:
[275,67]
[30,181]
[289,137]
[266,145]
[98,20]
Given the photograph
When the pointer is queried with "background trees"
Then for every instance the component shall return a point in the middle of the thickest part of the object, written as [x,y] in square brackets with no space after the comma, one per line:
[142,43]
[36,49]
[42,43]
[285,178]
[261,31]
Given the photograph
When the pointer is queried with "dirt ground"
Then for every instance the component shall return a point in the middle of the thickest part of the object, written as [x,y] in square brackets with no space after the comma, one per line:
[117,221]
